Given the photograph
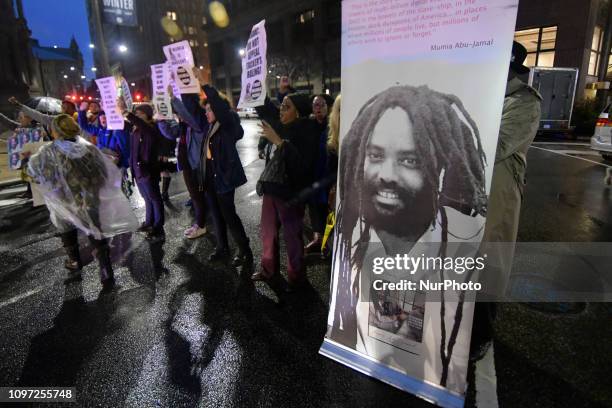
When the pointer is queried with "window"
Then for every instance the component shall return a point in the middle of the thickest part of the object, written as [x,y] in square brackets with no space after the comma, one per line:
[305,17]
[191,30]
[595,57]
[204,21]
[192,43]
[171,15]
[540,44]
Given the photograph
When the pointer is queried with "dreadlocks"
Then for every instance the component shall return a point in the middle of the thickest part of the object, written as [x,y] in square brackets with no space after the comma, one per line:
[453,161]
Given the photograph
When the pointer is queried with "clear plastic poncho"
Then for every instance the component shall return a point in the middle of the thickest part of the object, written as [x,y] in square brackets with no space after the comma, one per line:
[82,189]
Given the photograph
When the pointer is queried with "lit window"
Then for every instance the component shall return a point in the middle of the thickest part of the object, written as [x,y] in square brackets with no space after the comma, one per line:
[204,21]
[191,30]
[171,15]
[595,56]
[540,44]
[192,43]
[305,16]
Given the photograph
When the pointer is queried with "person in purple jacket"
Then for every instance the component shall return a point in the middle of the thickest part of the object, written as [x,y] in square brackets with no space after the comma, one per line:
[145,166]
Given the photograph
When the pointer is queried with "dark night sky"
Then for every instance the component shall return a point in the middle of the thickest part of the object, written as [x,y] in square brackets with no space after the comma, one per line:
[53,22]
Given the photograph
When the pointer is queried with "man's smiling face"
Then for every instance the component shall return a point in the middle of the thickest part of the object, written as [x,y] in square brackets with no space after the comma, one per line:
[395,185]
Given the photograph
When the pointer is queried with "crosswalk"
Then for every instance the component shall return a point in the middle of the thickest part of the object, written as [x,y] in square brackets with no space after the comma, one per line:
[578,150]
[10,196]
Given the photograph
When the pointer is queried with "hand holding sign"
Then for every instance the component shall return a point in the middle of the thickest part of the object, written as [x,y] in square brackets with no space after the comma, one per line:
[121,105]
[84,106]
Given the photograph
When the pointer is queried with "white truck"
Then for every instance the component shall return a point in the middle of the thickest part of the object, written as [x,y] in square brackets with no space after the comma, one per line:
[558,89]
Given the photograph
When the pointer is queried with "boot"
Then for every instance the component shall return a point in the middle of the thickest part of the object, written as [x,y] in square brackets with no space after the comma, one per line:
[107,277]
[165,187]
[314,245]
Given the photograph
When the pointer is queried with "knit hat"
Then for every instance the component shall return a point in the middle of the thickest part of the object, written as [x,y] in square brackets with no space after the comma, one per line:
[65,126]
[302,104]
[146,109]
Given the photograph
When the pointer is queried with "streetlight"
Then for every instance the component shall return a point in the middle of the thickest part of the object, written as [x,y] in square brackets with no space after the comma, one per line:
[241,52]
[65,76]
[201,66]
[123,48]
[55,46]
[94,69]
[83,77]
[133,83]
[92,46]
[72,68]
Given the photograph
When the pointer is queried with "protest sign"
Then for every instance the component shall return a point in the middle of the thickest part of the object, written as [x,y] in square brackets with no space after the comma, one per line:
[419,131]
[181,60]
[254,68]
[160,77]
[16,143]
[120,12]
[108,93]
[126,93]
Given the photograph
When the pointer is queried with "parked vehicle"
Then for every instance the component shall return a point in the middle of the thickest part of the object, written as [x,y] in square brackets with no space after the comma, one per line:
[602,139]
[558,88]
[246,113]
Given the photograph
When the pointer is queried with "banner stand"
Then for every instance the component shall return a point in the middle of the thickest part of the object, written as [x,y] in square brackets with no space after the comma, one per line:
[370,367]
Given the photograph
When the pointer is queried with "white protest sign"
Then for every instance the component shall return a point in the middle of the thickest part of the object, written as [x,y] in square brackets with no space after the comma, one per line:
[160,77]
[254,68]
[126,94]
[108,93]
[181,60]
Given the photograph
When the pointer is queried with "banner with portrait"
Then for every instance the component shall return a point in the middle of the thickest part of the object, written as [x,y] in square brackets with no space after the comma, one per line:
[17,142]
[423,87]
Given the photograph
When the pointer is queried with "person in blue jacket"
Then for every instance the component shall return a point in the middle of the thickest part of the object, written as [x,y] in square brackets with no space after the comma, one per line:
[114,143]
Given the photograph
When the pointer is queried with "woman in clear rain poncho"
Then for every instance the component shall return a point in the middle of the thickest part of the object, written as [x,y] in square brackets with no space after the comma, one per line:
[82,191]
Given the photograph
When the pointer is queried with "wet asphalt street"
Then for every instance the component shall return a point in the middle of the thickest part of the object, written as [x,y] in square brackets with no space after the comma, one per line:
[183,332]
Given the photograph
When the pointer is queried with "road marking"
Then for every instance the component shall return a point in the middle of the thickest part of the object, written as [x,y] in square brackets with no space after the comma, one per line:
[562,143]
[485,381]
[582,152]
[12,201]
[19,297]
[13,190]
[574,157]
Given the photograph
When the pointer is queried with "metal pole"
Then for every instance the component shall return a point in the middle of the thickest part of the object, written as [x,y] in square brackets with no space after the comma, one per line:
[105,68]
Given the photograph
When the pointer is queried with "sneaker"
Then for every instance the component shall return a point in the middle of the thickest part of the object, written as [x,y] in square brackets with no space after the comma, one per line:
[189,230]
[196,232]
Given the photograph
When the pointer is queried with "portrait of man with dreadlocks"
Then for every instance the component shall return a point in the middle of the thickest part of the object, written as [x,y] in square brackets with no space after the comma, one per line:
[412,170]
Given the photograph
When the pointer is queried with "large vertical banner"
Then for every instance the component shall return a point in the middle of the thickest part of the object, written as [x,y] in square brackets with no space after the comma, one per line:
[120,12]
[180,57]
[422,92]
[254,68]
[160,77]
[108,94]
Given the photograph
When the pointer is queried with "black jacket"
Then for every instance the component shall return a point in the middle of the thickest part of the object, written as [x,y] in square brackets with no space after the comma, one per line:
[221,138]
[300,151]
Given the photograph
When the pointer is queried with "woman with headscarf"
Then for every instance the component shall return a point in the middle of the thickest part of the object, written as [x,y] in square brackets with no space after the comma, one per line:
[81,192]
[295,138]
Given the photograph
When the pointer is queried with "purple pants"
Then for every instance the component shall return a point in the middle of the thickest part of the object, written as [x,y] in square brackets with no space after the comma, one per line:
[154,206]
[274,213]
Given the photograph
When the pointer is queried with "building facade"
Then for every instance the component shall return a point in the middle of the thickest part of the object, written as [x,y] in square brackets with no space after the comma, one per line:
[18,70]
[61,69]
[567,34]
[159,22]
[303,43]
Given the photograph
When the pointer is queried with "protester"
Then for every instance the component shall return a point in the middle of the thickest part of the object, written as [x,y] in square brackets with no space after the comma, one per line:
[80,190]
[93,113]
[144,164]
[192,131]
[519,125]
[114,143]
[166,152]
[223,173]
[333,149]
[284,89]
[294,139]
[69,108]
[318,203]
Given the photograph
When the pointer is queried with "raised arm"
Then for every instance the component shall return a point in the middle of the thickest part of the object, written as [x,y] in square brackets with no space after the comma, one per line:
[40,117]
[170,129]
[8,122]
